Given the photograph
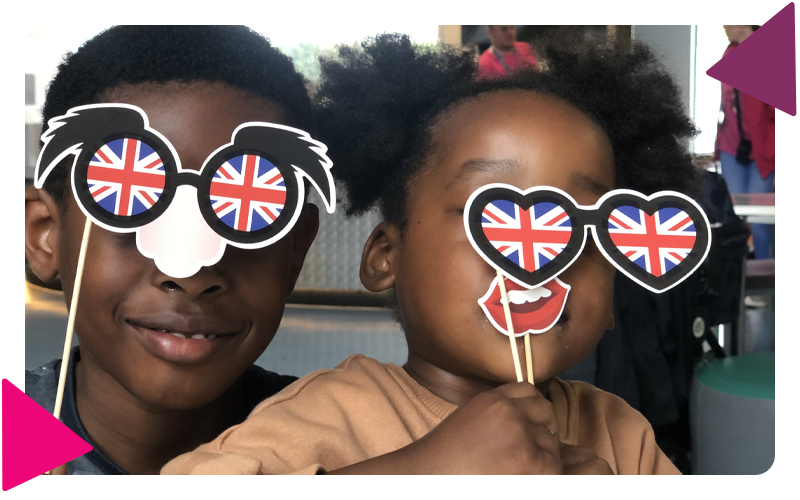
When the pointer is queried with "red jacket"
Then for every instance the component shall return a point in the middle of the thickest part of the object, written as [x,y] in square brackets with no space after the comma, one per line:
[760,119]
[490,66]
[758,123]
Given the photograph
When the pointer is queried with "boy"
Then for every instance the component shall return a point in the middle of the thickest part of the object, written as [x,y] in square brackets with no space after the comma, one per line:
[140,389]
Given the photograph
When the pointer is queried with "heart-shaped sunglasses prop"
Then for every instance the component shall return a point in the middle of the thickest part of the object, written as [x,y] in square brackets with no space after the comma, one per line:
[127,177]
[532,236]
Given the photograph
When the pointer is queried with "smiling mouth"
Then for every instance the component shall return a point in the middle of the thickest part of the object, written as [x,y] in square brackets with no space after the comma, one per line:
[187,335]
[180,340]
[533,310]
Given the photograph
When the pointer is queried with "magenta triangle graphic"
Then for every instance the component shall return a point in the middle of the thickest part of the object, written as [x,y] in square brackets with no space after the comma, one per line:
[763,66]
[34,441]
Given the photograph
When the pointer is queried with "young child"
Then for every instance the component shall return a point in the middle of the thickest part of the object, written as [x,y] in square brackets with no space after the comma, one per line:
[412,133]
[140,389]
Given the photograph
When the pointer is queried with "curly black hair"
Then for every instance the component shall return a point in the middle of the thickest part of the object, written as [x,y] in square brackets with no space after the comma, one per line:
[376,105]
[234,55]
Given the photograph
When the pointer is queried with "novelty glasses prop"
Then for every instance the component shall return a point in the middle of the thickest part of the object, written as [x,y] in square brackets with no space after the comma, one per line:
[533,236]
[127,177]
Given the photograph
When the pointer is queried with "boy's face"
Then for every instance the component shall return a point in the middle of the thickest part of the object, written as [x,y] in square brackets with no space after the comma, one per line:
[522,139]
[131,317]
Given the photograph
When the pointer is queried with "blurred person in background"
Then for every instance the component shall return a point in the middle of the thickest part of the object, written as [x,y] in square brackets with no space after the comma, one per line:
[505,54]
[745,145]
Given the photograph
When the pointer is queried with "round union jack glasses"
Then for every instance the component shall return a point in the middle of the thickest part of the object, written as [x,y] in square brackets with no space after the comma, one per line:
[125,174]
[128,182]
[534,235]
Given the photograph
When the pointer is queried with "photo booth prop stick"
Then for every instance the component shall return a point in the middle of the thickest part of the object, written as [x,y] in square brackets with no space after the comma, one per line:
[510,328]
[528,357]
[523,310]
[127,177]
[532,236]
[76,291]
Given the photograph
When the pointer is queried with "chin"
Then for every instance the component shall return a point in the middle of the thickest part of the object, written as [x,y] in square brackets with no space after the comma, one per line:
[178,392]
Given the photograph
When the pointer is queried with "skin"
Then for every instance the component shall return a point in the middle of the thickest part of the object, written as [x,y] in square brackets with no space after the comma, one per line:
[737,33]
[502,37]
[523,139]
[141,409]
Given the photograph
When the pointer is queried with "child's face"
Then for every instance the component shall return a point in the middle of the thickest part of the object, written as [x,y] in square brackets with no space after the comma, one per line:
[518,138]
[127,304]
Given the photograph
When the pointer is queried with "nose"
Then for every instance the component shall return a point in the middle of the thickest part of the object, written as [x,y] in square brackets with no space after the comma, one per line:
[204,283]
[180,241]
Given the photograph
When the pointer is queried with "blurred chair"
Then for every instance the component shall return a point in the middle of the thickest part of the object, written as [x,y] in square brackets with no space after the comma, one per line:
[732,414]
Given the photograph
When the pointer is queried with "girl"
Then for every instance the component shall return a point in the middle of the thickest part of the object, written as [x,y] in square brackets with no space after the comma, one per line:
[412,133]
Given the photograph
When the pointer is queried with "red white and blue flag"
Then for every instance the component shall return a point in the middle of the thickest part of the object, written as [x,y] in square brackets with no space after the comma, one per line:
[126,177]
[657,242]
[529,238]
[248,193]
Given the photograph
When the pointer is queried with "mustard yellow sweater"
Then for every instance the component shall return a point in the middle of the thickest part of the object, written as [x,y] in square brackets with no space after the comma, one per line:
[364,408]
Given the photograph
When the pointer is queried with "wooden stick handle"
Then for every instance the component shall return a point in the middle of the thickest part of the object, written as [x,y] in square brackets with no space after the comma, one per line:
[76,290]
[528,357]
[510,326]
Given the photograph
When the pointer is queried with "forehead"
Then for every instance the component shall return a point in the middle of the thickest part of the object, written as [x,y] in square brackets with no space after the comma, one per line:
[524,137]
[197,117]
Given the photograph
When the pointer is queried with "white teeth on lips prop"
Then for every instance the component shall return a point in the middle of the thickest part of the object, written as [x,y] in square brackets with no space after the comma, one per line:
[533,310]
[525,296]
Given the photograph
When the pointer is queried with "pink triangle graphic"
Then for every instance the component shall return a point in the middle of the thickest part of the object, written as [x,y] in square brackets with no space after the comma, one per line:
[763,66]
[34,441]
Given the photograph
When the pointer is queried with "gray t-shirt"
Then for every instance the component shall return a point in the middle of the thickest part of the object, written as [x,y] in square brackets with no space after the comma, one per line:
[41,385]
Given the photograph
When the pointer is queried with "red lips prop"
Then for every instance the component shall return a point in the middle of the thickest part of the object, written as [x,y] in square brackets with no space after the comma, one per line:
[533,310]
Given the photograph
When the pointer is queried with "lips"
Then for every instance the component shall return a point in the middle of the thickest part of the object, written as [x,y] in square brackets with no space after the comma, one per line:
[533,310]
[180,338]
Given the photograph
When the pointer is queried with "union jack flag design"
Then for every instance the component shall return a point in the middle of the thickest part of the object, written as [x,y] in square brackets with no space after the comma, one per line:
[248,193]
[529,238]
[126,177]
[657,242]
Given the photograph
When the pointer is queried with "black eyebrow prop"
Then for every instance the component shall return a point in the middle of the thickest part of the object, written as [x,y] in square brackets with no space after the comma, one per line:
[86,125]
[293,147]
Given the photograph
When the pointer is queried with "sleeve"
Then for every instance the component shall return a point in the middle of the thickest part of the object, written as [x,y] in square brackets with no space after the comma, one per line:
[274,439]
[216,462]
[618,433]
[324,421]
[653,461]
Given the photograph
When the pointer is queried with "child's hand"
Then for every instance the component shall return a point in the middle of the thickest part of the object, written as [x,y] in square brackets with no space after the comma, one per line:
[582,461]
[508,430]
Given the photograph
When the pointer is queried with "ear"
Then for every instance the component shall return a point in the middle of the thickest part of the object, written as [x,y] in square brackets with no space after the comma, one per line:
[41,233]
[379,260]
[304,232]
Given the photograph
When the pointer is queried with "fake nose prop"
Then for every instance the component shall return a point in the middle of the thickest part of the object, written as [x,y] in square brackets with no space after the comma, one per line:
[179,240]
